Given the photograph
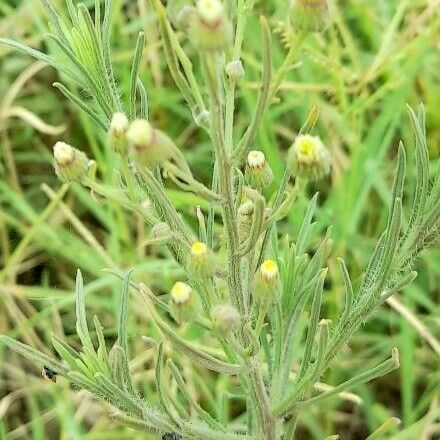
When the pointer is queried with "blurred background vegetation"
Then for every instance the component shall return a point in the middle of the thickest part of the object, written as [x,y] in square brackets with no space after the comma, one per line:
[376,57]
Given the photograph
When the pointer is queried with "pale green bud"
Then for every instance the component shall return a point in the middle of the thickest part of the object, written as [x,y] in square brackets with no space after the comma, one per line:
[309,15]
[183,302]
[225,318]
[267,281]
[201,262]
[309,158]
[117,132]
[244,219]
[160,230]
[258,173]
[184,16]
[210,29]
[175,8]
[235,70]
[151,146]
[70,164]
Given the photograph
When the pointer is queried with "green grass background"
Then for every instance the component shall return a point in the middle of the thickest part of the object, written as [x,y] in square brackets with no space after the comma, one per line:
[376,57]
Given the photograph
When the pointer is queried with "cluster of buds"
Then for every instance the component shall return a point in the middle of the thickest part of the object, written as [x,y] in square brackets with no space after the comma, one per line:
[267,281]
[258,173]
[183,302]
[117,132]
[309,15]
[225,318]
[70,164]
[201,263]
[152,147]
[309,158]
[209,27]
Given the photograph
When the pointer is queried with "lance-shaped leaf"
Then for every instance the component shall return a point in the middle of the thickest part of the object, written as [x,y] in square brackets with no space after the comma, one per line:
[34,355]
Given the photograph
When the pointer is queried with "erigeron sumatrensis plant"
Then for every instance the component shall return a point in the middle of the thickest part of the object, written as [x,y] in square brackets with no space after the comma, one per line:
[250,306]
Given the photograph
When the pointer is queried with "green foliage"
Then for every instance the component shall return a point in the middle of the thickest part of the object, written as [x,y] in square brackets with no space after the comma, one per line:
[273,364]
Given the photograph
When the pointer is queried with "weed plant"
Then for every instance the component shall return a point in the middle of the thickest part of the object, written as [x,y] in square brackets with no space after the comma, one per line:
[244,286]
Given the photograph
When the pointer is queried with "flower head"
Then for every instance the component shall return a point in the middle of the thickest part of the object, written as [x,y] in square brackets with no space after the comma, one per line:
[267,281]
[234,70]
[70,164]
[151,146]
[258,173]
[309,15]
[225,318]
[183,302]
[181,293]
[201,262]
[117,132]
[309,158]
[209,28]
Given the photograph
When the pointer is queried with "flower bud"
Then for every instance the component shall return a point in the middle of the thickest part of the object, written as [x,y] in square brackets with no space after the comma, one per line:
[183,17]
[201,262]
[258,173]
[160,230]
[117,132]
[182,302]
[309,158]
[244,219]
[267,281]
[309,15]
[225,318]
[235,70]
[70,164]
[210,29]
[151,146]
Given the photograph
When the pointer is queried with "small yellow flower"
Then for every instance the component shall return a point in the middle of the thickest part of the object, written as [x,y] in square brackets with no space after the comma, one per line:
[201,263]
[267,281]
[269,270]
[309,158]
[199,249]
[181,293]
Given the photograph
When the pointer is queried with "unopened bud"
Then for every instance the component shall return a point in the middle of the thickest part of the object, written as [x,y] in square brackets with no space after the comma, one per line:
[267,280]
[258,173]
[309,158]
[70,164]
[151,146]
[201,263]
[309,15]
[244,219]
[182,302]
[210,29]
[235,70]
[175,8]
[225,318]
[184,16]
[117,132]
[160,230]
